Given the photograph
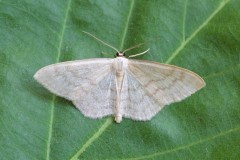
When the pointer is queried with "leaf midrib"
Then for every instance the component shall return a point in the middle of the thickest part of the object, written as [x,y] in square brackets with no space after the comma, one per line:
[108,122]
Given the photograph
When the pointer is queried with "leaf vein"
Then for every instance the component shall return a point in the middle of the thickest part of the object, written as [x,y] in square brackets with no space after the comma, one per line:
[31,14]
[54,97]
[221,134]
[96,135]
[109,121]
[223,72]
[184,20]
[184,43]
[127,24]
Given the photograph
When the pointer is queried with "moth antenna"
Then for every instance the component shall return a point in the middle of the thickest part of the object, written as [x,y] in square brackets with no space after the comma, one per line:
[140,44]
[135,55]
[101,41]
[136,46]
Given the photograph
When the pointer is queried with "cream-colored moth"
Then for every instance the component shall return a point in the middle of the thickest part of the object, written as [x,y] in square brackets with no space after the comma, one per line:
[136,89]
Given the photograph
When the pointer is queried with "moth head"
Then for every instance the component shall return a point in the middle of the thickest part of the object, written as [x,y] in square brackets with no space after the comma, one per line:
[120,54]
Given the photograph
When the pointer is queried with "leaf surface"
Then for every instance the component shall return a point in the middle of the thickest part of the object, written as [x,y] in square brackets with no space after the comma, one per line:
[202,36]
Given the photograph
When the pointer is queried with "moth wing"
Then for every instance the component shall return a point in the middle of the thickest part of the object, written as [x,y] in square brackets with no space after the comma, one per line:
[149,86]
[90,84]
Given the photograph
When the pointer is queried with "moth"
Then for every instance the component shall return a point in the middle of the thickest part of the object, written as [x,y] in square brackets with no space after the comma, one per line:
[130,88]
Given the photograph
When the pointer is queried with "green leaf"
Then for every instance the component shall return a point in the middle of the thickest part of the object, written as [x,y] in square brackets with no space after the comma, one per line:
[200,35]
